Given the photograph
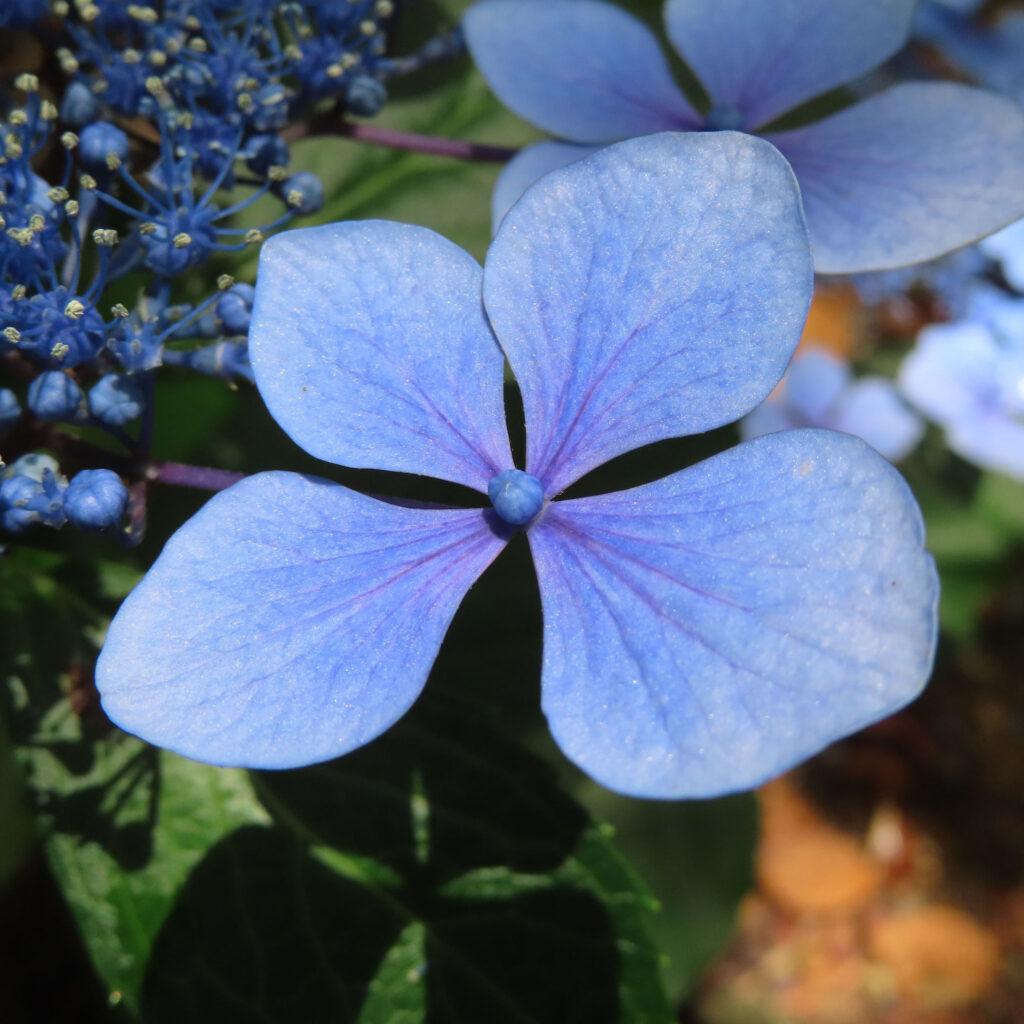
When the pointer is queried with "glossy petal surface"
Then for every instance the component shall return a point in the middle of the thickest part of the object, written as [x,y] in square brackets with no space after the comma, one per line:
[910,174]
[705,632]
[768,56]
[580,69]
[655,289]
[370,347]
[290,621]
[528,166]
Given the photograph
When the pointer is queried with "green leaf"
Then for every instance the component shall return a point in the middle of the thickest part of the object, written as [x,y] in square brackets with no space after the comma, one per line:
[698,857]
[123,824]
[437,874]
[1000,502]
[15,819]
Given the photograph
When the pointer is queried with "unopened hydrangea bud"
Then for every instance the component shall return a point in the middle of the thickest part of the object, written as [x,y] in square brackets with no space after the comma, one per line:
[100,141]
[304,192]
[79,106]
[265,151]
[234,308]
[365,96]
[10,410]
[54,396]
[96,499]
[116,400]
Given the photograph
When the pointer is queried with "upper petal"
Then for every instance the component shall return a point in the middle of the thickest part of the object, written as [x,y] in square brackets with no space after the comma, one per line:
[528,166]
[766,57]
[290,621]
[706,632]
[370,347]
[655,289]
[907,175]
[583,70]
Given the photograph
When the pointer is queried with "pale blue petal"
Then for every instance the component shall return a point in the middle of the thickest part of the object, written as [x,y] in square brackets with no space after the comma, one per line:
[991,441]
[708,631]
[872,410]
[583,70]
[813,382]
[764,58]
[291,620]
[963,378]
[770,416]
[370,347]
[529,166]
[950,373]
[655,289]
[910,174]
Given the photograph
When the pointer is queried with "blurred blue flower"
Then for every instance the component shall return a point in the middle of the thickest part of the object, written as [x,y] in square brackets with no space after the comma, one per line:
[1006,247]
[986,49]
[818,390]
[701,633]
[968,377]
[903,176]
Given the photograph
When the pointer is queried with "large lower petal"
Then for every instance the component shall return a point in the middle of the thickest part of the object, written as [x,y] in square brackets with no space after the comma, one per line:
[706,632]
[910,174]
[655,289]
[764,58]
[370,347]
[580,69]
[290,621]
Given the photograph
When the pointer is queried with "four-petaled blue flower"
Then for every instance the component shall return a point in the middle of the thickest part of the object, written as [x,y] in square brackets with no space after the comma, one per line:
[904,176]
[701,633]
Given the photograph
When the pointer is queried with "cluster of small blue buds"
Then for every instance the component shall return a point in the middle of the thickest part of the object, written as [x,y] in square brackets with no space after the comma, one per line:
[33,492]
[119,164]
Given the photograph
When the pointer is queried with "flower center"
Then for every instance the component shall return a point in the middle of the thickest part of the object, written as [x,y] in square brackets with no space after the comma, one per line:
[516,496]
[724,117]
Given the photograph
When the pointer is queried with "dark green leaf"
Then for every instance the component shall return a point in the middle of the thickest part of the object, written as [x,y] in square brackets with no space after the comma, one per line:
[436,875]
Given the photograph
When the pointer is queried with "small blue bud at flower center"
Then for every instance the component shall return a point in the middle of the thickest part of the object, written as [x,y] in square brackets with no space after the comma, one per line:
[724,117]
[516,496]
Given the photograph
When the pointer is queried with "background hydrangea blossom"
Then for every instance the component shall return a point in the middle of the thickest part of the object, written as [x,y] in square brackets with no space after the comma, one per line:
[968,377]
[818,390]
[901,177]
[701,633]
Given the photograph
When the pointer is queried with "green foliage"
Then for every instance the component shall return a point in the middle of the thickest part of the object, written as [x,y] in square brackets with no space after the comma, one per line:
[973,538]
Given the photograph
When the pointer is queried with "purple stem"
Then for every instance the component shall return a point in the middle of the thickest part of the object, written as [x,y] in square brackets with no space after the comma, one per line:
[203,477]
[394,138]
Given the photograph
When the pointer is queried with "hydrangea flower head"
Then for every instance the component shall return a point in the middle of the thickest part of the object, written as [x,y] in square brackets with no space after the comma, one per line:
[701,633]
[818,390]
[968,377]
[903,176]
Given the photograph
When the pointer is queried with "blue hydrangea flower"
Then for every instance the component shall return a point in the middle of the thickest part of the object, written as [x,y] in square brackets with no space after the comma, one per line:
[701,633]
[903,176]
[987,49]
[968,377]
[818,390]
